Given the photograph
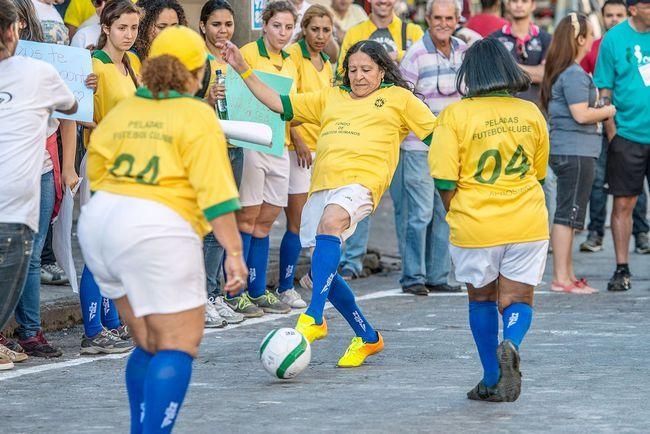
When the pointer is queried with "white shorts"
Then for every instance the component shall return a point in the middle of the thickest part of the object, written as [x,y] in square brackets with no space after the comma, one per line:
[144,250]
[354,198]
[520,262]
[265,178]
[299,177]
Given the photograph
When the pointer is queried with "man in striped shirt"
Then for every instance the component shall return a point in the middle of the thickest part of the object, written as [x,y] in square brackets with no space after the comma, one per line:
[422,232]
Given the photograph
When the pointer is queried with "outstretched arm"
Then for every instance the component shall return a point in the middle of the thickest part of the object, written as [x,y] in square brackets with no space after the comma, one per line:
[262,92]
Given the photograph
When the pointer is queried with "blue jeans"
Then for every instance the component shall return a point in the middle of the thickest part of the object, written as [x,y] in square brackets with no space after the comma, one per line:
[16,241]
[28,310]
[598,201]
[212,250]
[550,195]
[354,250]
[422,231]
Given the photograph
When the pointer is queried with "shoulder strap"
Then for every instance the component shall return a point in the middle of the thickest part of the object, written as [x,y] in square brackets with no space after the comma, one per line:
[205,85]
[404,25]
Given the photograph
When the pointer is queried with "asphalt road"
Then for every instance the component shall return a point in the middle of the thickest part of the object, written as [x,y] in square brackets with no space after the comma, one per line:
[584,362]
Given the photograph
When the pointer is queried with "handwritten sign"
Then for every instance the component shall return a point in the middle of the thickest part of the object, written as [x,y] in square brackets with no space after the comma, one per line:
[73,65]
[243,106]
[256,14]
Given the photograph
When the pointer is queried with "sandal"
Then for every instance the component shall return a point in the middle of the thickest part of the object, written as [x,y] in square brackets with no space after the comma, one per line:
[577,287]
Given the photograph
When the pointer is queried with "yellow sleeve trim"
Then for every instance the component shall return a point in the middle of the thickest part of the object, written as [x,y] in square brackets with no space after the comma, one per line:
[444,184]
[287,108]
[222,208]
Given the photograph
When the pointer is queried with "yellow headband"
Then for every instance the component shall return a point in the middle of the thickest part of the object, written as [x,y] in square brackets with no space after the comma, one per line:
[575,24]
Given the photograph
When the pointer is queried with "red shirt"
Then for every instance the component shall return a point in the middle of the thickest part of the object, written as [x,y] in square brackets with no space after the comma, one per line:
[485,24]
[588,63]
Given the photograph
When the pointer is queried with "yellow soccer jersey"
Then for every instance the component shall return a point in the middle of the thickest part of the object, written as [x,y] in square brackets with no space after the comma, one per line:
[309,79]
[144,148]
[258,57]
[367,30]
[359,138]
[494,151]
[78,11]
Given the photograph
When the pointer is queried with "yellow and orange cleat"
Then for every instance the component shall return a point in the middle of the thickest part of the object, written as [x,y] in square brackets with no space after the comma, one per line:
[307,326]
[359,350]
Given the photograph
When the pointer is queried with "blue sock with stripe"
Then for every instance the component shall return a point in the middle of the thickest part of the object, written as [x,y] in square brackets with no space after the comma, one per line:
[289,252]
[110,317]
[258,259]
[90,299]
[516,321]
[136,372]
[484,323]
[166,383]
[342,298]
[324,263]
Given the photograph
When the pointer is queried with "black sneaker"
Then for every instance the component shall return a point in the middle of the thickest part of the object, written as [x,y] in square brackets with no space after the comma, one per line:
[417,289]
[37,346]
[444,288]
[509,385]
[483,393]
[620,281]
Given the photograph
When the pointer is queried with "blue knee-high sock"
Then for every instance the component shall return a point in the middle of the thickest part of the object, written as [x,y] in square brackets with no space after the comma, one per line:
[166,383]
[324,263]
[90,300]
[516,322]
[258,259]
[246,246]
[289,251]
[342,298]
[110,318]
[136,372]
[484,322]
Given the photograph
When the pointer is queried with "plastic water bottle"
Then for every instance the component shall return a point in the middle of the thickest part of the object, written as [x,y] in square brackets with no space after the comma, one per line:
[222,107]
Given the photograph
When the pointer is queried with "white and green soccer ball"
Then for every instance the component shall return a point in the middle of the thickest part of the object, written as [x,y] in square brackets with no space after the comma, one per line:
[285,353]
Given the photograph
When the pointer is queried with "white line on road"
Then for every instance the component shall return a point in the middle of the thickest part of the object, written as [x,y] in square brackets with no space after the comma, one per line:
[396,292]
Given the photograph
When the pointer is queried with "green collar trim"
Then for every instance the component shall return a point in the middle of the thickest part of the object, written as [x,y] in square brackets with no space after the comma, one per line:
[102,56]
[307,55]
[261,48]
[495,93]
[381,86]
[143,92]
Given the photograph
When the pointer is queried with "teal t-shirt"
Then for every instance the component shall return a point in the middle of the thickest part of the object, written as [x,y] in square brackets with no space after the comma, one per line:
[623,63]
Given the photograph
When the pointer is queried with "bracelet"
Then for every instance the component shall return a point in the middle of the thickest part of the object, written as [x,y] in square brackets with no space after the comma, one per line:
[234,254]
[244,75]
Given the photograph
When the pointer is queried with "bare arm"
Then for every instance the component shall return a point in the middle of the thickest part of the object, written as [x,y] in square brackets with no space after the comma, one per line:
[583,114]
[610,126]
[226,232]
[262,92]
[447,196]
[72,110]
[536,72]
[68,131]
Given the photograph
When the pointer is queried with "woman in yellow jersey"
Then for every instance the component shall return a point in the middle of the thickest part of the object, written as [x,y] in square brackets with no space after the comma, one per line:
[217,25]
[159,188]
[265,178]
[362,123]
[314,73]
[157,16]
[116,70]
[488,158]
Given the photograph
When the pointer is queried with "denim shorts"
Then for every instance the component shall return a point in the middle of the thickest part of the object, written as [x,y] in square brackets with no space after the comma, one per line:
[575,176]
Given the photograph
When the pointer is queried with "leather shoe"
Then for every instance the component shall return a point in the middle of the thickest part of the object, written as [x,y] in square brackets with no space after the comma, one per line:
[417,289]
[444,288]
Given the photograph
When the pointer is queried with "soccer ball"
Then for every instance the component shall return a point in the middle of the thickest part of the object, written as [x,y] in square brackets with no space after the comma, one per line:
[285,353]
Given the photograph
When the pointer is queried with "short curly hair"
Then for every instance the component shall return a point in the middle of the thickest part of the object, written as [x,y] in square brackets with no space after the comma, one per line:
[152,9]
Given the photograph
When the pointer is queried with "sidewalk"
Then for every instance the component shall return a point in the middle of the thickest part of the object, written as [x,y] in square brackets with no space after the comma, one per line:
[60,306]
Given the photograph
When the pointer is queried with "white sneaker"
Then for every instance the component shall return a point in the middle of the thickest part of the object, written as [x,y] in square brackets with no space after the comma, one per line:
[305,282]
[292,298]
[5,362]
[212,318]
[226,312]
